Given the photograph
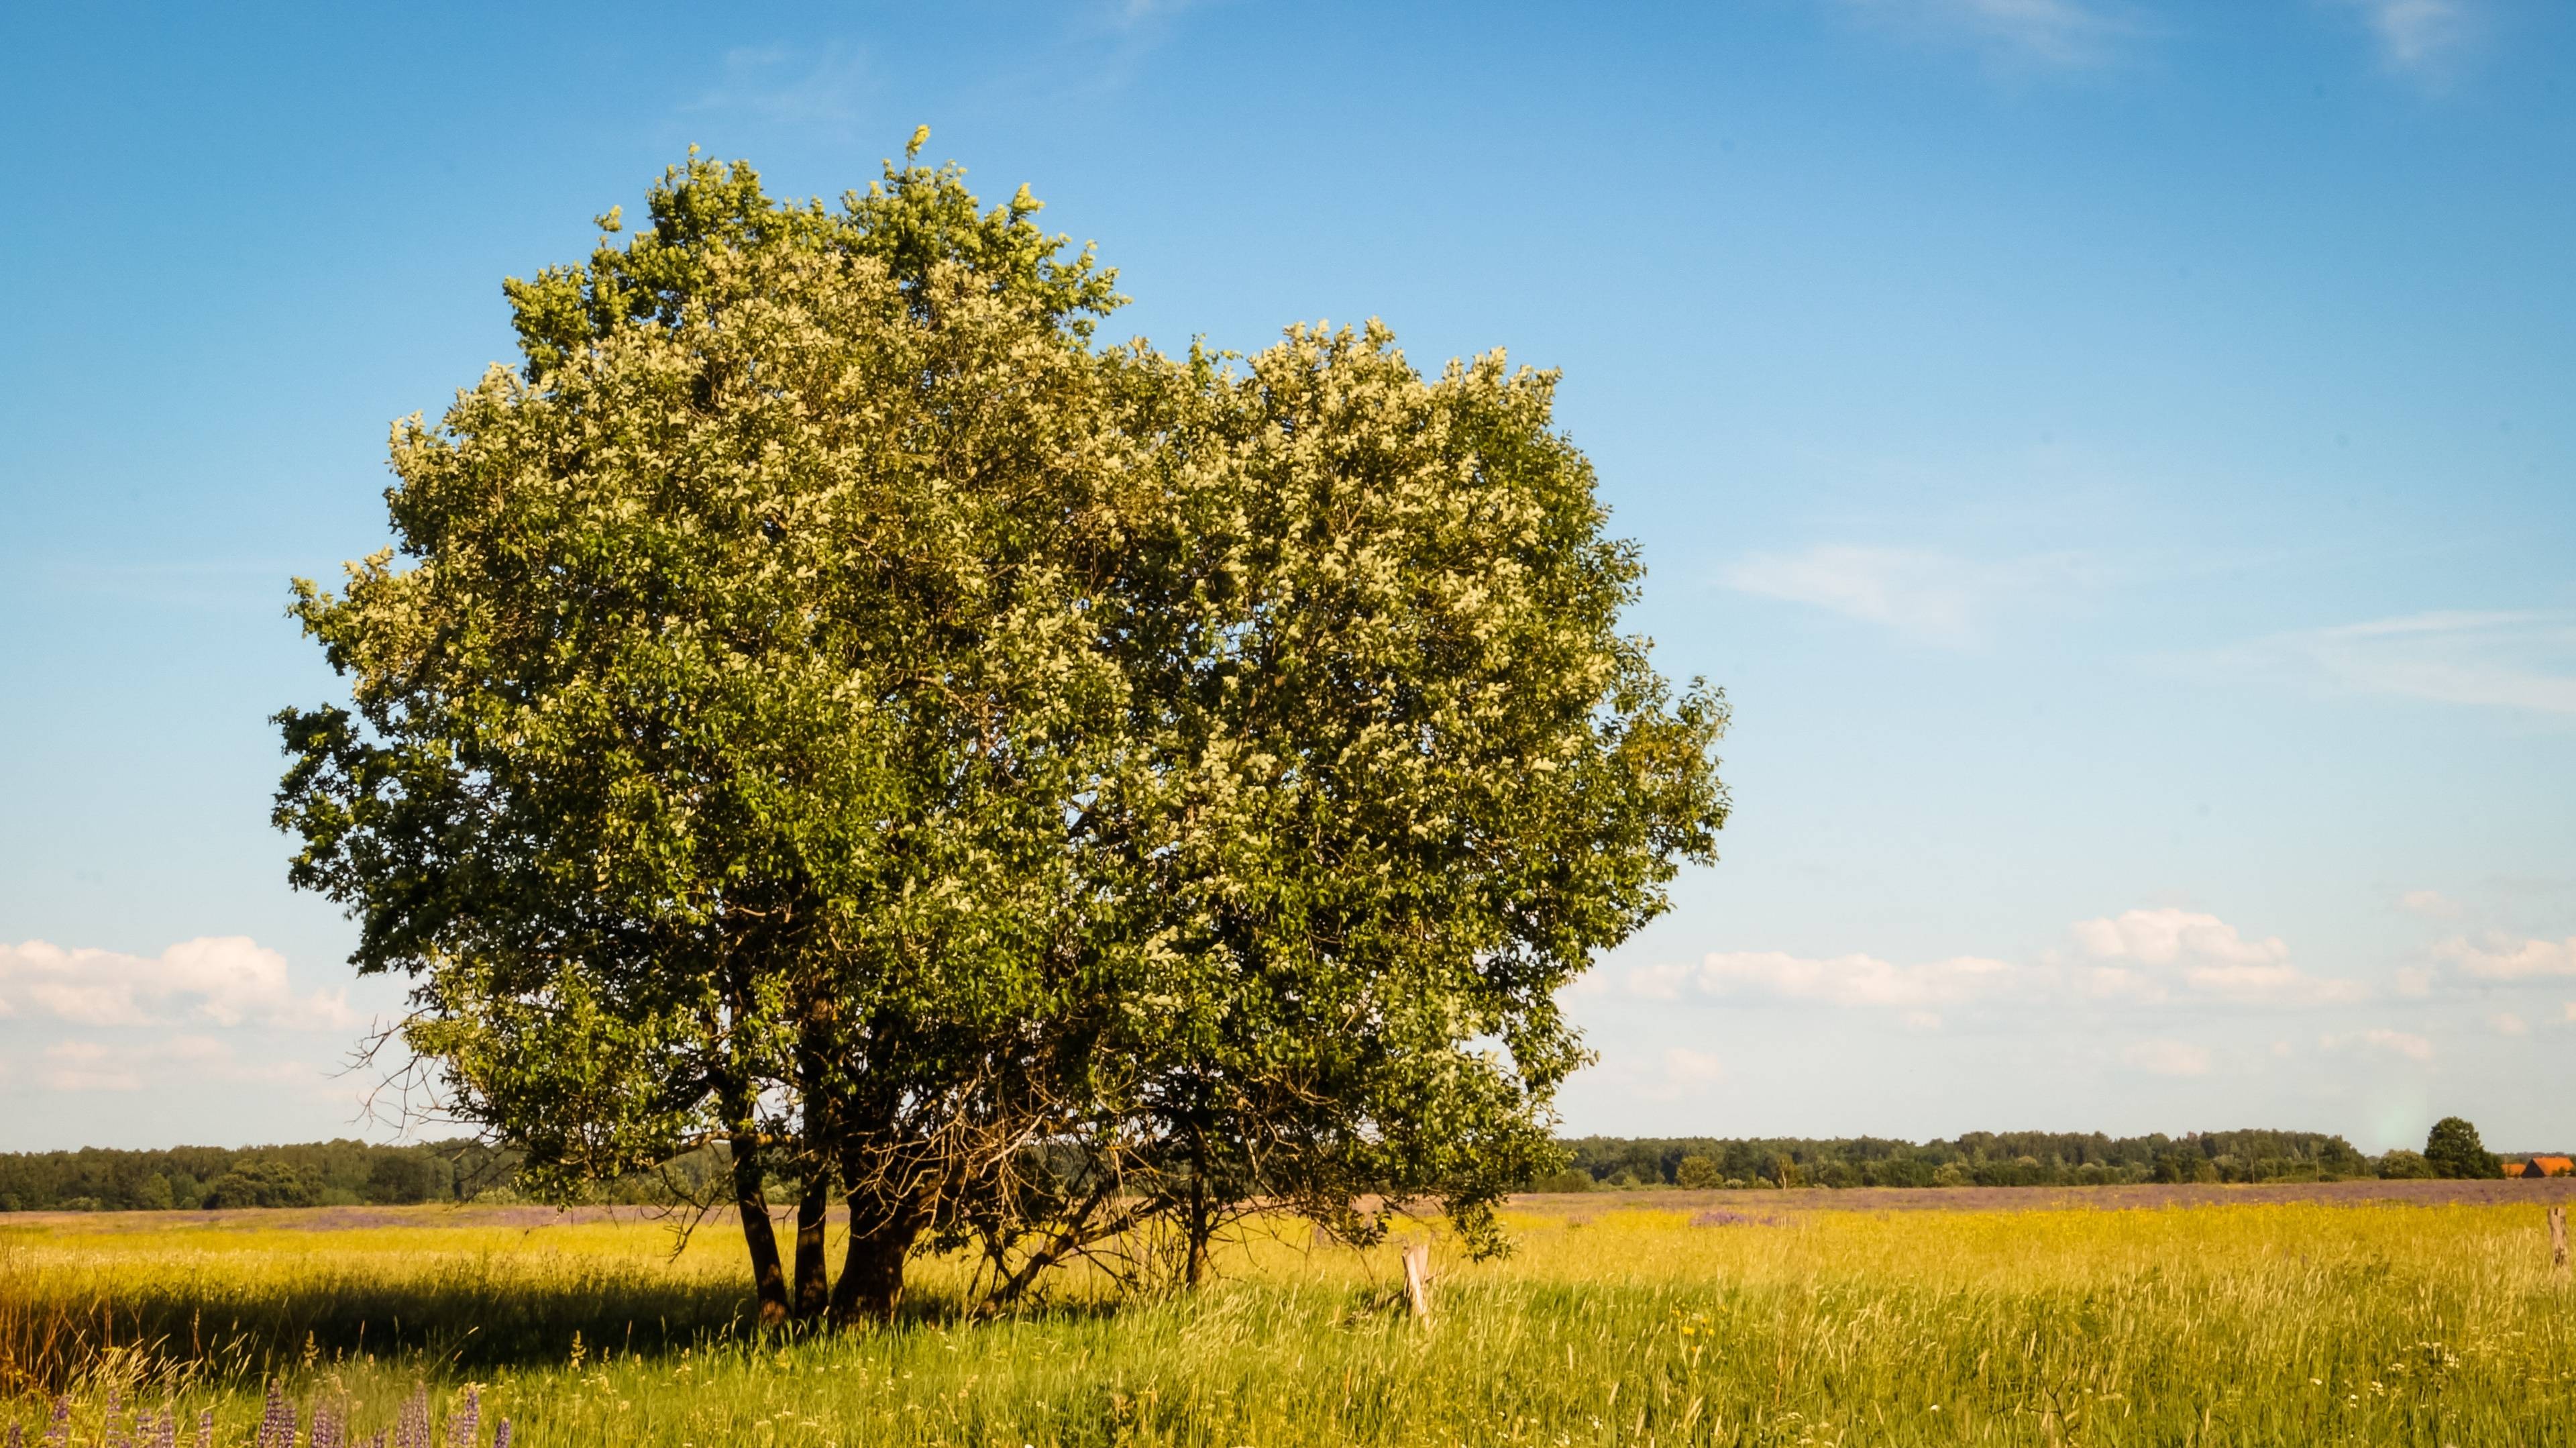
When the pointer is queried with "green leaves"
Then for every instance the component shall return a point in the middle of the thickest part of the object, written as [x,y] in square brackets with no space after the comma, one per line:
[826,705]
[1396,776]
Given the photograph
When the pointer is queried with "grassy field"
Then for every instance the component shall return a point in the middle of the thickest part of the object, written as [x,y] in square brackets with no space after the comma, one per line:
[1649,1317]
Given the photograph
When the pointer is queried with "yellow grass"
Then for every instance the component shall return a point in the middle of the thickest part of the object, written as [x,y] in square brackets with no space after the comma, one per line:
[2295,1323]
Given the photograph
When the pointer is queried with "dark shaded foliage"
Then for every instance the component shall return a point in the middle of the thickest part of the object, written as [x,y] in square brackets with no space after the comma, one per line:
[1977,1158]
[2453,1150]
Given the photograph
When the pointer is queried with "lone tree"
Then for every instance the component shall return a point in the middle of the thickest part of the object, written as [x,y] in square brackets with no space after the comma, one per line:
[2452,1149]
[1039,794]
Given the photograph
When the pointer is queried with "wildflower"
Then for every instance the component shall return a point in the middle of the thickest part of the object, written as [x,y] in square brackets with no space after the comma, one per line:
[276,1420]
[411,1425]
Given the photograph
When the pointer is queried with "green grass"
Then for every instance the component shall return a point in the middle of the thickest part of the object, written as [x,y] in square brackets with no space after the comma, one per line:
[2291,1324]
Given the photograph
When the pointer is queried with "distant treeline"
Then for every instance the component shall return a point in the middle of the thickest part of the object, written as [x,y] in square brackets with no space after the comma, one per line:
[1977,1158]
[312,1174]
[326,1173]
[354,1173]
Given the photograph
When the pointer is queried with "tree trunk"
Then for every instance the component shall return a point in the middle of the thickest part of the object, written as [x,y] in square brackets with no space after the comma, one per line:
[881,1237]
[812,1286]
[812,1290]
[752,1205]
[1194,1263]
[1198,1225]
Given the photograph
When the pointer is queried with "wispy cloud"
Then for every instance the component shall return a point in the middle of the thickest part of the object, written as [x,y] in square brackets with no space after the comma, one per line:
[826,88]
[1132,13]
[226,980]
[1929,597]
[2046,34]
[2163,956]
[1686,1073]
[2429,902]
[1842,980]
[2505,957]
[2168,1058]
[87,1066]
[2403,1044]
[2416,36]
[2524,661]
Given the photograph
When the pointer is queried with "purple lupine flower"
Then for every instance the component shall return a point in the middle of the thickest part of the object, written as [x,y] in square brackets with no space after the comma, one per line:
[330,1428]
[165,1430]
[206,1428]
[277,1420]
[112,1434]
[377,1441]
[466,1421]
[59,1432]
[501,1435]
[17,1435]
[411,1426]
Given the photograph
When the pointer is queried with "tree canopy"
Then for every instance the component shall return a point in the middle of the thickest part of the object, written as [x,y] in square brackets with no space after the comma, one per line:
[2453,1149]
[1049,796]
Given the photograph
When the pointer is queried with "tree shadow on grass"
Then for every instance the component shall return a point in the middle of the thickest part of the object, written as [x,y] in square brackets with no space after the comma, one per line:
[57,1331]
[178,1332]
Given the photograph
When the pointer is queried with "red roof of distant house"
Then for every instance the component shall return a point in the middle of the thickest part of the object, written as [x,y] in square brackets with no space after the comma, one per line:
[2549,1166]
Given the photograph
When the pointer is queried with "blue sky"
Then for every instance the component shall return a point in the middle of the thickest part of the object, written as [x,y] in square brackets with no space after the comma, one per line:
[2118,459]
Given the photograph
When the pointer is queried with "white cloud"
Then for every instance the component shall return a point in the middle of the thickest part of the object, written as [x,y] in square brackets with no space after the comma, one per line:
[2415,35]
[2162,937]
[2054,34]
[2503,957]
[2168,1058]
[2524,661]
[1928,597]
[1694,1068]
[1842,980]
[2213,958]
[2144,956]
[2379,1038]
[1686,1073]
[2414,981]
[227,980]
[2399,1043]
[2429,902]
[2506,1023]
[86,1066]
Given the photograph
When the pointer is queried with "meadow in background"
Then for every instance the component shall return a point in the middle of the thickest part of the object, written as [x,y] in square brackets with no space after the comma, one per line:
[2417,1312]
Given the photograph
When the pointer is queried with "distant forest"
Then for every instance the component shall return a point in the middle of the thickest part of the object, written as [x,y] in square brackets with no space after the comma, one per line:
[326,1173]
[1976,1158]
[355,1173]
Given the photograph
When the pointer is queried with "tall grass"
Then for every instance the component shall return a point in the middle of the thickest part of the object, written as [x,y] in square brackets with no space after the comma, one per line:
[2283,1324]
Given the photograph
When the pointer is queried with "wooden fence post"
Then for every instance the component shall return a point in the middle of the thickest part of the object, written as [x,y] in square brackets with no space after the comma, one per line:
[1417,1279]
[2558,1238]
